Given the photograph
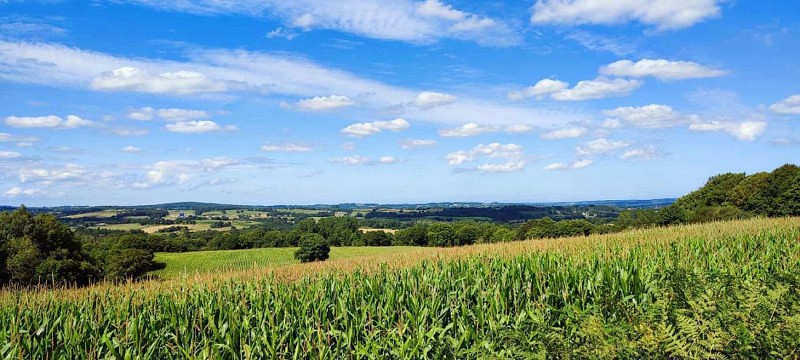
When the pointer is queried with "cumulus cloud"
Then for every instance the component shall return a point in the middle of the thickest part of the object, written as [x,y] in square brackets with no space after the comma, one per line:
[469,129]
[6,137]
[371,128]
[578,164]
[131,149]
[351,160]
[513,153]
[388,160]
[138,80]
[744,131]
[417,143]
[565,133]
[288,147]
[601,87]
[7,155]
[17,191]
[324,103]
[127,131]
[790,105]
[649,116]
[540,90]
[518,129]
[171,114]
[600,146]
[662,14]
[428,99]
[661,69]
[643,153]
[197,127]
[51,121]
[178,172]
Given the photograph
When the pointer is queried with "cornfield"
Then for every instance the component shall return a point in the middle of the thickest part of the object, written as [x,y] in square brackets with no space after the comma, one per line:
[721,290]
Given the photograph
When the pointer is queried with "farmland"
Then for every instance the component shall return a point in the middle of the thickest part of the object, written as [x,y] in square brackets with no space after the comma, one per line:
[199,262]
[722,289]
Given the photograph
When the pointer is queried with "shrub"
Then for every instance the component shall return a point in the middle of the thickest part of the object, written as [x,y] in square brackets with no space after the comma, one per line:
[313,247]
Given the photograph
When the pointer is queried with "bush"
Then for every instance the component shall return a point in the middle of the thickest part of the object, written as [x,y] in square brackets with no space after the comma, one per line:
[313,247]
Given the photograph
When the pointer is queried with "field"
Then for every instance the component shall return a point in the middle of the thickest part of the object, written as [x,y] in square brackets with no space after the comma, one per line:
[96,214]
[178,264]
[717,290]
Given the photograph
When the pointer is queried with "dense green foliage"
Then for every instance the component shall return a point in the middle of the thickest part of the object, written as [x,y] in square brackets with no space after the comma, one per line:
[729,196]
[636,296]
[313,247]
[40,249]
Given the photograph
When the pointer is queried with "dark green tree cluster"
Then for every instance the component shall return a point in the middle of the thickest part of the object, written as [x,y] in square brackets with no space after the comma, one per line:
[313,247]
[731,195]
[40,249]
[459,233]
[128,256]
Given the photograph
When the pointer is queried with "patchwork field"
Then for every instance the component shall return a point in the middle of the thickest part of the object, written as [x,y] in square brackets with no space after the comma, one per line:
[717,290]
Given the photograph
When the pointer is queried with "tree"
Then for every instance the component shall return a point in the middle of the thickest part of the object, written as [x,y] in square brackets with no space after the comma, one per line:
[129,264]
[313,247]
[440,234]
[377,238]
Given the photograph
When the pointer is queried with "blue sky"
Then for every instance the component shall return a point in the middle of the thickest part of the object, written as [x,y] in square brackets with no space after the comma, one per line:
[309,101]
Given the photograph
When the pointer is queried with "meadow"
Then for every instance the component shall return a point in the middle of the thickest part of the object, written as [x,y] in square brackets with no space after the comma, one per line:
[716,290]
[221,261]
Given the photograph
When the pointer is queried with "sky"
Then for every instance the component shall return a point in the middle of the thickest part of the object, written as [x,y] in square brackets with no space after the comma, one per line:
[127,102]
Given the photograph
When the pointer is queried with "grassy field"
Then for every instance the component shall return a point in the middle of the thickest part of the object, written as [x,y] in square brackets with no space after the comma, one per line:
[719,290]
[96,214]
[178,264]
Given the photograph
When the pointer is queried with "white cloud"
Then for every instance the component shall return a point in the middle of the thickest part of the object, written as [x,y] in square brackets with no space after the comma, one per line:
[388,160]
[289,147]
[174,82]
[172,114]
[556,166]
[352,160]
[51,121]
[417,143]
[649,116]
[193,127]
[428,99]
[123,131]
[178,172]
[611,124]
[48,175]
[790,105]
[280,32]
[469,129]
[644,153]
[6,137]
[540,90]
[744,131]
[257,73]
[6,155]
[131,149]
[349,146]
[661,69]
[600,146]
[20,192]
[371,128]
[663,14]
[324,103]
[510,166]
[518,129]
[404,20]
[579,164]
[512,152]
[565,133]
[598,88]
